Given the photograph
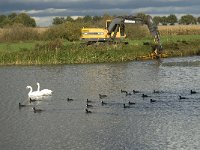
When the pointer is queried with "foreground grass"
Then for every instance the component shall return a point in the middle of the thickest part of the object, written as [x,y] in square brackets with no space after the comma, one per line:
[73,53]
[57,52]
[16,46]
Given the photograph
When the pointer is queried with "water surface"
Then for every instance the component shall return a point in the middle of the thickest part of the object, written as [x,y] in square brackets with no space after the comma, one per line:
[169,123]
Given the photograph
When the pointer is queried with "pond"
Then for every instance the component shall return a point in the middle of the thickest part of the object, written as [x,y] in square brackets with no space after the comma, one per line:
[167,123]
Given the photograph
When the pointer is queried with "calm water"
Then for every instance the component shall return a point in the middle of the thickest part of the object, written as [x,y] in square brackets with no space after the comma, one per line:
[167,124]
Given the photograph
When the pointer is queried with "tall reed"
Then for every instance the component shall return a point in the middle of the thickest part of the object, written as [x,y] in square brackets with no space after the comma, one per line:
[18,32]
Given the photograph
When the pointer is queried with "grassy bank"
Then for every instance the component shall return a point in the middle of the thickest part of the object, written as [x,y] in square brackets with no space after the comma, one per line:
[62,52]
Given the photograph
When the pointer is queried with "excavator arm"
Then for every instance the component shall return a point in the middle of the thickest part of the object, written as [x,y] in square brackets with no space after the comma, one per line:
[121,20]
[155,33]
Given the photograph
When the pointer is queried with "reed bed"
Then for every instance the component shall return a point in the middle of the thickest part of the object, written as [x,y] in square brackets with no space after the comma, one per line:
[40,29]
[18,33]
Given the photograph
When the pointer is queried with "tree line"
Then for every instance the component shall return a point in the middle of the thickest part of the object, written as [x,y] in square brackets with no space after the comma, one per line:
[93,21]
[164,20]
[172,20]
[14,18]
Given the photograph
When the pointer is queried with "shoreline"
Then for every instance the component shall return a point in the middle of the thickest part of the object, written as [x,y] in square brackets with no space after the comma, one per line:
[58,52]
[138,59]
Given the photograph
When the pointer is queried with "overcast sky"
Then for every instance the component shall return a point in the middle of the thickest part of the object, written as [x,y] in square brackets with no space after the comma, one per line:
[44,11]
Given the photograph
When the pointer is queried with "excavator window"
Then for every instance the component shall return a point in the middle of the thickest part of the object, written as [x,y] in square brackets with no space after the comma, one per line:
[108,23]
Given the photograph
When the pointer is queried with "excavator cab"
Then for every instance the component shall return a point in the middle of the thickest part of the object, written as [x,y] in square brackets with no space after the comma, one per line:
[119,30]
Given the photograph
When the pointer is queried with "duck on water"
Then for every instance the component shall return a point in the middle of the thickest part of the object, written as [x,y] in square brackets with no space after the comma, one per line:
[37,110]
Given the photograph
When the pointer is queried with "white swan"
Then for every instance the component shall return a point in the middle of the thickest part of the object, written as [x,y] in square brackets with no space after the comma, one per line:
[44,91]
[34,94]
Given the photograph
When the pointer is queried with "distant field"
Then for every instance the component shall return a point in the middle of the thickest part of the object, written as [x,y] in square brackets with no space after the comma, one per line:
[41,30]
[180,30]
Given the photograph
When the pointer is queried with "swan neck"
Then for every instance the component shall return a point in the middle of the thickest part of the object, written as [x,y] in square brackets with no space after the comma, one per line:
[38,89]
[31,90]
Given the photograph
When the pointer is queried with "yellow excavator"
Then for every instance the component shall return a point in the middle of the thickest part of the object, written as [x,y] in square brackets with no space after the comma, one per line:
[115,30]
[93,35]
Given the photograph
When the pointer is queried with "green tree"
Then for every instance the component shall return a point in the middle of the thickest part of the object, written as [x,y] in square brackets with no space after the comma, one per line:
[79,19]
[172,19]
[102,22]
[2,20]
[96,18]
[68,30]
[2,17]
[87,18]
[97,22]
[107,17]
[164,20]
[157,19]
[69,18]
[58,20]
[25,19]
[143,16]
[198,19]
[188,19]
[6,22]
[73,31]
[12,16]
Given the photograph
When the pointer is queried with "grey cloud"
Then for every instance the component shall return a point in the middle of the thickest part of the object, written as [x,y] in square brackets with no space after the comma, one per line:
[101,4]
[49,8]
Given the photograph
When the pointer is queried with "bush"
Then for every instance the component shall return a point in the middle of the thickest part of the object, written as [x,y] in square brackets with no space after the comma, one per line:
[49,46]
[137,31]
[54,32]
[68,30]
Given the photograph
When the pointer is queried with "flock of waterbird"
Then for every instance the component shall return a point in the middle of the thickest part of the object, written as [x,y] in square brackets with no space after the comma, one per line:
[89,105]
[129,103]
[39,93]
[36,95]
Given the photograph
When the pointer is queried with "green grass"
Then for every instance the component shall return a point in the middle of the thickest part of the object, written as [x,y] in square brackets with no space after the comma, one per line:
[16,47]
[62,52]
[175,38]
[166,39]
